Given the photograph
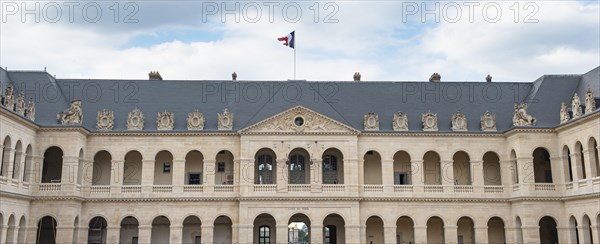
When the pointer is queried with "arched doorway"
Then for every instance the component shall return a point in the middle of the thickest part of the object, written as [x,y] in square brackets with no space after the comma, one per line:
[542,166]
[12,228]
[223,230]
[496,231]
[492,175]
[372,168]
[129,232]
[333,166]
[161,230]
[192,230]
[52,166]
[46,233]
[97,231]
[299,229]
[548,232]
[466,230]
[194,165]
[435,230]
[402,168]
[132,168]
[334,229]
[265,167]
[101,168]
[224,168]
[405,230]
[374,230]
[264,229]
[462,168]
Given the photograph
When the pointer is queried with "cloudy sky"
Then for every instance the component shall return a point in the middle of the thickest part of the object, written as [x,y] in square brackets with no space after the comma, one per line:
[384,40]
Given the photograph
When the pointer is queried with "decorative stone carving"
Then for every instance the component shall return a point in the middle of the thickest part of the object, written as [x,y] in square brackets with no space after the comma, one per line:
[435,77]
[488,78]
[9,98]
[371,121]
[564,113]
[357,76]
[105,120]
[225,120]
[195,120]
[459,122]
[30,110]
[429,121]
[488,122]
[576,106]
[287,122]
[165,120]
[520,116]
[20,105]
[590,103]
[234,76]
[400,121]
[135,120]
[73,115]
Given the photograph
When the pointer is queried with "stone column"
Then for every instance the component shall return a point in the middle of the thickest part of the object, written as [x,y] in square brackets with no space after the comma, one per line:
[510,234]
[481,234]
[350,175]
[282,234]
[447,175]
[175,233]
[574,170]
[116,175]
[363,233]
[557,170]
[316,233]
[478,176]
[387,175]
[3,232]
[246,235]
[450,234]
[14,168]
[247,175]
[112,234]
[30,234]
[316,176]
[531,233]
[525,170]
[178,175]
[417,177]
[282,176]
[82,234]
[209,178]
[64,234]
[590,164]
[352,233]
[361,177]
[563,233]
[389,234]
[145,234]
[566,168]
[70,171]
[596,232]
[420,234]
[582,233]
[147,178]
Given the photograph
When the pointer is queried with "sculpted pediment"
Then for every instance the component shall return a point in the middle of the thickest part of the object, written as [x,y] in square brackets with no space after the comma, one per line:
[299,120]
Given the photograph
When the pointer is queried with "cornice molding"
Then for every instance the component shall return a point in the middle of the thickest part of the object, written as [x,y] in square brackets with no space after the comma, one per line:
[579,120]
[432,134]
[157,133]
[15,116]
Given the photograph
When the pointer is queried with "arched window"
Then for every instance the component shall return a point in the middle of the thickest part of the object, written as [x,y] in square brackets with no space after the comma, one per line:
[297,169]
[264,235]
[265,169]
[330,169]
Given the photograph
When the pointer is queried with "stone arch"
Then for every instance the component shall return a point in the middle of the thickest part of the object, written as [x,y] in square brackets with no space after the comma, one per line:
[27,170]
[81,166]
[222,230]
[163,168]
[264,229]
[97,230]
[334,229]
[435,230]
[432,172]
[542,166]
[52,166]
[129,232]
[265,166]
[402,168]
[101,168]
[17,160]
[375,233]
[12,229]
[224,168]
[594,157]
[496,230]
[586,225]
[22,229]
[465,230]
[567,163]
[405,230]
[548,231]
[519,229]
[461,165]
[46,230]
[332,166]
[192,229]
[580,161]
[492,173]
[299,166]
[132,168]
[76,229]
[515,166]
[299,224]
[194,167]
[161,229]
[4,161]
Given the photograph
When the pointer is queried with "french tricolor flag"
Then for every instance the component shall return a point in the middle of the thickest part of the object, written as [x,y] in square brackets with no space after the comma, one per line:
[288,40]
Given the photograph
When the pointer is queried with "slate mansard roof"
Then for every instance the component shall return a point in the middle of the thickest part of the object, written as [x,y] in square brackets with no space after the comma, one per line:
[346,101]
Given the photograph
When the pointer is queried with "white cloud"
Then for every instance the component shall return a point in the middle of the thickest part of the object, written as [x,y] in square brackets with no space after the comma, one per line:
[370,38]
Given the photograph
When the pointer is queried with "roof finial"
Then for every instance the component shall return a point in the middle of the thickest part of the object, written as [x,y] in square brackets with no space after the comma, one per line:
[357,76]
[488,78]
[234,76]
[154,75]
[435,77]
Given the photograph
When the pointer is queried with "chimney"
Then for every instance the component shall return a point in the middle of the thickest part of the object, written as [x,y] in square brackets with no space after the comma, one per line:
[154,75]
[435,77]
[488,78]
[234,76]
[357,76]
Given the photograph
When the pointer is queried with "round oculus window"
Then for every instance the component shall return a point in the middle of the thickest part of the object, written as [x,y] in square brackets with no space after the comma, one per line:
[299,121]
